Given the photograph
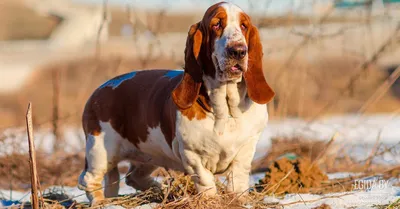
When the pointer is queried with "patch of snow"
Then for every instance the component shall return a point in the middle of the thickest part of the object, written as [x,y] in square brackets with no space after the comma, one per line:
[357,199]
[147,206]
[350,129]
[341,175]
[113,207]
[16,140]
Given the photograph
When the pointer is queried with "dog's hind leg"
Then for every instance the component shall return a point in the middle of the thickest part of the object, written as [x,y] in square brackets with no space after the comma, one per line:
[102,157]
[139,176]
[111,185]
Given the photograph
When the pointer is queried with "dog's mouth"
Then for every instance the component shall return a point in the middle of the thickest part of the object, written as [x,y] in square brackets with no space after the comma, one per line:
[233,71]
[236,69]
[230,69]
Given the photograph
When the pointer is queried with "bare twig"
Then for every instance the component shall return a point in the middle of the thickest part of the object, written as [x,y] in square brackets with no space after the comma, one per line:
[304,42]
[32,158]
[381,91]
[102,24]
[154,32]
[318,199]
[321,154]
[373,151]
[56,113]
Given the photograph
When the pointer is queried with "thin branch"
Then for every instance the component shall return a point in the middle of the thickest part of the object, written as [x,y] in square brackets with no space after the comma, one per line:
[32,159]
[381,91]
[102,24]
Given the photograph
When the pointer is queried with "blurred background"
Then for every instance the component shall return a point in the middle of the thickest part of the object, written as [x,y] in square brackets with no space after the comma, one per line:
[324,59]
[321,56]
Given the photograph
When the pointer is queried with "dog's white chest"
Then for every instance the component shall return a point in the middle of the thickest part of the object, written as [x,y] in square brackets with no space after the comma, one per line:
[217,151]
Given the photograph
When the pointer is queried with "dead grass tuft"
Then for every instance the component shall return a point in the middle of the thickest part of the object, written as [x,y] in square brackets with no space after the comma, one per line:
[291,176]
[202,201]
[299,146]
[323,206]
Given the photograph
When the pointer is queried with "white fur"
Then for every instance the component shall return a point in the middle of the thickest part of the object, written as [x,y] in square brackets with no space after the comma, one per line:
[218,92]
[233,99]
[102,157]
[205,153]
[158,150]
[223,86]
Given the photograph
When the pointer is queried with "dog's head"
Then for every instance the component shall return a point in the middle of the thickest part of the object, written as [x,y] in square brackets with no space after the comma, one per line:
[224,46]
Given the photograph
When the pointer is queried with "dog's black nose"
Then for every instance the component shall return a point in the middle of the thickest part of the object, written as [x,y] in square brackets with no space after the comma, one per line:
[237,51]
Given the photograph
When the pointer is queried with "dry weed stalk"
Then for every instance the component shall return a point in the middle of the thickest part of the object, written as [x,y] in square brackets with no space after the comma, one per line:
[103,23]
[35,186]
[136,24]
[381,91]
[56,110]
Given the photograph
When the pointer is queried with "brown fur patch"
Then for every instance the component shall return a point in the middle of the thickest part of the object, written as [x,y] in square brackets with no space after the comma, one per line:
[200,108]
[186,92]
[257,87]
[137,104]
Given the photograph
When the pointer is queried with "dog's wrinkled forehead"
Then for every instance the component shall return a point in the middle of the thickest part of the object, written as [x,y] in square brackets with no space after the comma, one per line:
[229,15]
[232,28]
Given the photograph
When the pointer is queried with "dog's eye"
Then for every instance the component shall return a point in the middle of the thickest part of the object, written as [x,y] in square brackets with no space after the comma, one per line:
[244,27]
[218,25]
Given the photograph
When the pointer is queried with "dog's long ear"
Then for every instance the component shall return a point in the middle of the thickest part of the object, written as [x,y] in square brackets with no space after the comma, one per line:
[257,87]
[187,91]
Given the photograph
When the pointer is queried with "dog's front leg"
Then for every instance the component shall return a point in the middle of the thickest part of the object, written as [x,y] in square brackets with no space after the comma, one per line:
[233,102]
[220,107]
[239,171]
[202,177]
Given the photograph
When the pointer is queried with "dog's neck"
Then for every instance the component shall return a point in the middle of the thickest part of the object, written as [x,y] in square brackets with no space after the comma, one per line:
[226,96]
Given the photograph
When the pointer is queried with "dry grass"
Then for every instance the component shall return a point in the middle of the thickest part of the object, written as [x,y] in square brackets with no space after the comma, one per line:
[179,190]
[58,169]
[323,206]
[330,157]
[184,199]
[301,147]
[286,175]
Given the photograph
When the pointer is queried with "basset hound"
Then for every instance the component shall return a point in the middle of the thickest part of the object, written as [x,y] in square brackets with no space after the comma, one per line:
[203,120]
